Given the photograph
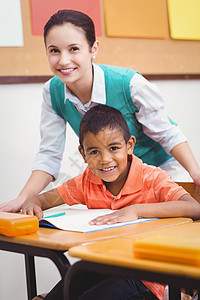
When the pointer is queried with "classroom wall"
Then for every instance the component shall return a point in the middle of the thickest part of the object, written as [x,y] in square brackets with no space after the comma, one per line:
[147,55]
[19,125]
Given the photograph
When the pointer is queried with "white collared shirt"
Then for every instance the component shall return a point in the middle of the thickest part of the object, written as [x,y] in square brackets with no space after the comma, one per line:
[151,115]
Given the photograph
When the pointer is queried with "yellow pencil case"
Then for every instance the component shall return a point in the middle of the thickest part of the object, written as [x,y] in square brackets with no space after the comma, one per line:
[14,224]
[170,249]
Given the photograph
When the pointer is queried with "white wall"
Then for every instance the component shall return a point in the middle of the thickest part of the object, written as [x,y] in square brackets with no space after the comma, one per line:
[19,132]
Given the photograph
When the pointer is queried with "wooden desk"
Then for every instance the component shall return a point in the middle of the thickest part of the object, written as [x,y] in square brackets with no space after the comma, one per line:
[115,257]
[52,243]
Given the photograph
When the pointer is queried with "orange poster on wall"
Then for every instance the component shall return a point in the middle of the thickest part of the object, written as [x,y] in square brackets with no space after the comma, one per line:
[42,10]
[136,18]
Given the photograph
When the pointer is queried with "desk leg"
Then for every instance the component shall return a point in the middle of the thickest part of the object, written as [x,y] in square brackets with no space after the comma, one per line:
[174,293]
[58,257]
[30,276]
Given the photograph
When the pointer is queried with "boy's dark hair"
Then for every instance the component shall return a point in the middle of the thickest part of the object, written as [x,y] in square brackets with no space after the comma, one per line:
[100,117]
[76,18]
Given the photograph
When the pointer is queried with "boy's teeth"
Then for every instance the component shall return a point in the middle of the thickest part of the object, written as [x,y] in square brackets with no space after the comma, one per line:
[108,169]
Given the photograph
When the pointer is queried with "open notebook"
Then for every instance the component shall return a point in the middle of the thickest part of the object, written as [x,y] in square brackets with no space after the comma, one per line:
[77,217]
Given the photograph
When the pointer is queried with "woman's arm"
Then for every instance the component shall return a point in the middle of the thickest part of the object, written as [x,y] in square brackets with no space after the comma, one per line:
[53,136]
[35,184]
[157,126]
[183,154]
[151,114]
[48,160]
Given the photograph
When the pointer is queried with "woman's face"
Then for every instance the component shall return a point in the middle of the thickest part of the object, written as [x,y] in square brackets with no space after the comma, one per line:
[69,54]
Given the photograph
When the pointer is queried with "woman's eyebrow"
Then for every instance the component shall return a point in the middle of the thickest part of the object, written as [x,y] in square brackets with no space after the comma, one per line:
[50,46]
[70,45]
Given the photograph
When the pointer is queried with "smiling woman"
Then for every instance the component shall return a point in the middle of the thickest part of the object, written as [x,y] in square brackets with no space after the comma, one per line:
[70,58]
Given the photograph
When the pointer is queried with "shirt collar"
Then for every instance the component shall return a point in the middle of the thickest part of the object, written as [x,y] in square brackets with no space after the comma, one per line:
[98,90]
[134,179]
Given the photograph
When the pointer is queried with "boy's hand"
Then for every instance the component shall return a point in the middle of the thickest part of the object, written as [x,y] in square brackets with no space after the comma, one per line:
[32,207]
[122,215]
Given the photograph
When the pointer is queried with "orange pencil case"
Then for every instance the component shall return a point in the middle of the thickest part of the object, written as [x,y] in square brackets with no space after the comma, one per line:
[14,224]
[172,249]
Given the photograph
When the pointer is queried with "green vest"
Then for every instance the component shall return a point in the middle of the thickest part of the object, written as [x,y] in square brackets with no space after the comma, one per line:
[117,84]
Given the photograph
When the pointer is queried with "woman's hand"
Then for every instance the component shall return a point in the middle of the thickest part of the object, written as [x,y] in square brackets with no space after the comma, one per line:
[11,206]
[195,174]
[183,154]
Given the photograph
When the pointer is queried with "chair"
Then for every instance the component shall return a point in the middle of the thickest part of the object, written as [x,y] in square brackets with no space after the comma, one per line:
[191,188]
[194,191]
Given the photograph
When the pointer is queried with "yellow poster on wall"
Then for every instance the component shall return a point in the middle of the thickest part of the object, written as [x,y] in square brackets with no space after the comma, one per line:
[184,19]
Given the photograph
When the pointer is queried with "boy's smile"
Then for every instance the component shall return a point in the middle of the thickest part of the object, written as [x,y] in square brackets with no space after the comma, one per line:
[107,156]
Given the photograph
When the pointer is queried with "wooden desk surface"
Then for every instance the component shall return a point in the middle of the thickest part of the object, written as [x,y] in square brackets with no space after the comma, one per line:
[63,240]
[119,251]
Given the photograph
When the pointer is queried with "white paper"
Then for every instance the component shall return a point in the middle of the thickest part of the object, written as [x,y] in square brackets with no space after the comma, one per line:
[77,218]
[11,31]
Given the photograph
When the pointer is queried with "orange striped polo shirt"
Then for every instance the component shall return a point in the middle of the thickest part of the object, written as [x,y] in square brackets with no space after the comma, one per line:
[144,184]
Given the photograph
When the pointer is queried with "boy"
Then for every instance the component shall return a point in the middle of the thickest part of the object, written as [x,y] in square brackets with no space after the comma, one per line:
[118,180]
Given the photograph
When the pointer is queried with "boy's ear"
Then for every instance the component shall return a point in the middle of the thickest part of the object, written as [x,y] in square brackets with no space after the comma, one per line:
[80,149]
[131,144]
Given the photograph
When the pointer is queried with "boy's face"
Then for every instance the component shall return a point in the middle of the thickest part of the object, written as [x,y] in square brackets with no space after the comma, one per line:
[107,154]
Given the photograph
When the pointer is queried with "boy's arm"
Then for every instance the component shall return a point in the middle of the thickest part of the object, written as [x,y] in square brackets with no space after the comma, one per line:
[186,206]
[36,204]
